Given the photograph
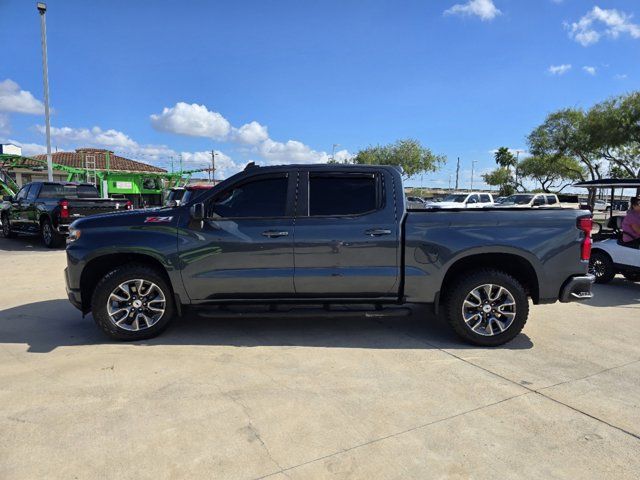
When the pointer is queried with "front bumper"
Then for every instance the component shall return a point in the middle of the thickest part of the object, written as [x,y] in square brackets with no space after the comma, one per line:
[577,288]
[75,296]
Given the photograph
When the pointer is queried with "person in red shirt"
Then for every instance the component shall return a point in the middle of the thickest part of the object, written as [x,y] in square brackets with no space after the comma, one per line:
[631,225]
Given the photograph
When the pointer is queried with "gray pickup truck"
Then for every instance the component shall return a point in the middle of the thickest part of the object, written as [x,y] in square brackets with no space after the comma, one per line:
[327,235]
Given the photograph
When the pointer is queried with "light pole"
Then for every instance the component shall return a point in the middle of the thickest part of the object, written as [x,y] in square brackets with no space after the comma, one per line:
[213,166]
[333,151]
[473,164]
[42,8]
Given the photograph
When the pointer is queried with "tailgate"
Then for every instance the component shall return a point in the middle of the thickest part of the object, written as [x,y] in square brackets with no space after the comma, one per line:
[93,206]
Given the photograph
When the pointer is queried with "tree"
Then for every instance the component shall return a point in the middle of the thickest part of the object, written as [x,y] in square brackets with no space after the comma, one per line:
[500,177]
[505,158]
[551,172]
[408,154]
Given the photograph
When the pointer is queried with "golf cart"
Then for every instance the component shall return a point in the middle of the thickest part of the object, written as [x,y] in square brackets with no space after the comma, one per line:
[610,256]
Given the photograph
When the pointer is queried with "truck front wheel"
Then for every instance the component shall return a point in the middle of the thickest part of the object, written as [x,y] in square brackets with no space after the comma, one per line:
[132,302]
[487,308]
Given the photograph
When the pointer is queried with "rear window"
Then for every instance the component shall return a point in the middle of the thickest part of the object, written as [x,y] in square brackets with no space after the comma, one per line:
[51,190]
[346,194]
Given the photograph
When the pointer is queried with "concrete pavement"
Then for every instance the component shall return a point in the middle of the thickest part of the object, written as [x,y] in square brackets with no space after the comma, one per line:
[313,397]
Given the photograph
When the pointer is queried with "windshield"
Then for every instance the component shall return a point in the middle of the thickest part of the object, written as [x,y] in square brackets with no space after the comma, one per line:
[518,199]
[460,198]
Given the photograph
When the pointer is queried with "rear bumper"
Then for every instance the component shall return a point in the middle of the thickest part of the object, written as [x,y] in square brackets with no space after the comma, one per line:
[577,288]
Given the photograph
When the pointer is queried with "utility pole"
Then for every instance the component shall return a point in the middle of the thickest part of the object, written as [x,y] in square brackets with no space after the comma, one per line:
[42,8]
[180,164]
[457,173]
[333,151]
[171,157]
[473,164]
[213,166]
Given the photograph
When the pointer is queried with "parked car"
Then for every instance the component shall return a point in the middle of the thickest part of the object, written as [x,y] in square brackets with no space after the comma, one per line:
[179,195]
[416,202]
[48,208]
[601,205]
[325,234]
[610,257]
[531,200]
[465,200]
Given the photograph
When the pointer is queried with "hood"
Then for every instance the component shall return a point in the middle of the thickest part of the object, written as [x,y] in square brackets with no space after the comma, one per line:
[126,218]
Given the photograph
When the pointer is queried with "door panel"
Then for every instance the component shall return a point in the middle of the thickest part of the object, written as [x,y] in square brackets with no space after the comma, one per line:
[345,255]
[244,249]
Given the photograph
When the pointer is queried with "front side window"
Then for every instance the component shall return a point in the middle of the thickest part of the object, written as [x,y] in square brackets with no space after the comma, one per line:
[348,194]
[262,197]
[22,194]
[31,196]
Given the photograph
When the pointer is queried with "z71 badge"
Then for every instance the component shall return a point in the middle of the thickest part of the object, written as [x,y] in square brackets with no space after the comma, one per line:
[158,219]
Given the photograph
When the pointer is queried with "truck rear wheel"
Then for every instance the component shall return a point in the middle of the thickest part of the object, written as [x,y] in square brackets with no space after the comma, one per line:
[132,302]
[487,308]
[50,237]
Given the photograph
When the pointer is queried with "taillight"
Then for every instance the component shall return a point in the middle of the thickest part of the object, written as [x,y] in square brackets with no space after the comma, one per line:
[64,208]
[129,205]
[585,224]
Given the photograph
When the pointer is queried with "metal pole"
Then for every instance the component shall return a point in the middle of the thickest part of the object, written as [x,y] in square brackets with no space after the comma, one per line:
[473,164]
[333,151]
[457,172]
[213,166]
[42,8]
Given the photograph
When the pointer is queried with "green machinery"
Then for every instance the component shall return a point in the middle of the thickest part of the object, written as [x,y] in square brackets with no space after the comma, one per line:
[138,185]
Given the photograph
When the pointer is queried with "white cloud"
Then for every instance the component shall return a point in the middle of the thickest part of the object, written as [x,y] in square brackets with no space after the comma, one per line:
[225,166]
[251,133]
[598,22]
[15,100]
[197,120]
[590,70]
[484,9]
[91,136]
[559,69]
[193,120]
[4,123]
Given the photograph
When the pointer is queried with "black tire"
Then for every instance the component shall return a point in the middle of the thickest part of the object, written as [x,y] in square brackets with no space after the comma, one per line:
[50,237]
[461,288]
[110,282]
[6,227]
[601,265]
[632,277]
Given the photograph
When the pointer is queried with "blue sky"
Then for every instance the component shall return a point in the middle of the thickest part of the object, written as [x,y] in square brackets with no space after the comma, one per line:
[283,81]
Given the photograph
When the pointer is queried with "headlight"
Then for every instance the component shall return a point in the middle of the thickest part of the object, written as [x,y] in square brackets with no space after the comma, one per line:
[74,234]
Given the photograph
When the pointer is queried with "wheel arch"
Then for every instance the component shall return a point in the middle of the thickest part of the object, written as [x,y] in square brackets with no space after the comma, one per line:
[98,267]
[513,264]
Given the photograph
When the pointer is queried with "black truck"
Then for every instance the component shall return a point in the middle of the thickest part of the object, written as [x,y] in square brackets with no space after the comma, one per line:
[326,235]
[48,208]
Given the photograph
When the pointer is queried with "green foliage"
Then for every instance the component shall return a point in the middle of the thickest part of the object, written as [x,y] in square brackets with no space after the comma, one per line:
[552,173]
[500,177]
[505,158]
[408,154]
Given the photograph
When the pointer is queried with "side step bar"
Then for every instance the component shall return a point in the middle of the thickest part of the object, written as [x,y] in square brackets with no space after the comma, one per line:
[272,311]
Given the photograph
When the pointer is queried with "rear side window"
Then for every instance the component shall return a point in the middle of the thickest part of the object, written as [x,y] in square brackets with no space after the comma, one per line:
[551,200]
[485,198]
[346,194]
[263,197]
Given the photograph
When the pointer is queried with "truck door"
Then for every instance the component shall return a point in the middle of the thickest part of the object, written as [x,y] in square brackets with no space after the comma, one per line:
[244,247]
[17,207]
[346,235]
[29,215]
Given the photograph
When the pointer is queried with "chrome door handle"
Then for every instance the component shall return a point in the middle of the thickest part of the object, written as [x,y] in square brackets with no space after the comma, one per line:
[274,233]
[377,232]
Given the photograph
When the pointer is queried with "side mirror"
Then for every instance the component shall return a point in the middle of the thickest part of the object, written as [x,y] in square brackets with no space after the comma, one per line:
[197,211]
[7,198]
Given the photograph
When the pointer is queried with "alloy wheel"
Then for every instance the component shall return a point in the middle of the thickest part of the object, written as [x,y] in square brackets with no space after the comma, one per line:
[136,305]
[489,310]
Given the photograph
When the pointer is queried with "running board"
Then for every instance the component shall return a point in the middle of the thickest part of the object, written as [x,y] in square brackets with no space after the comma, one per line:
[338,311]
